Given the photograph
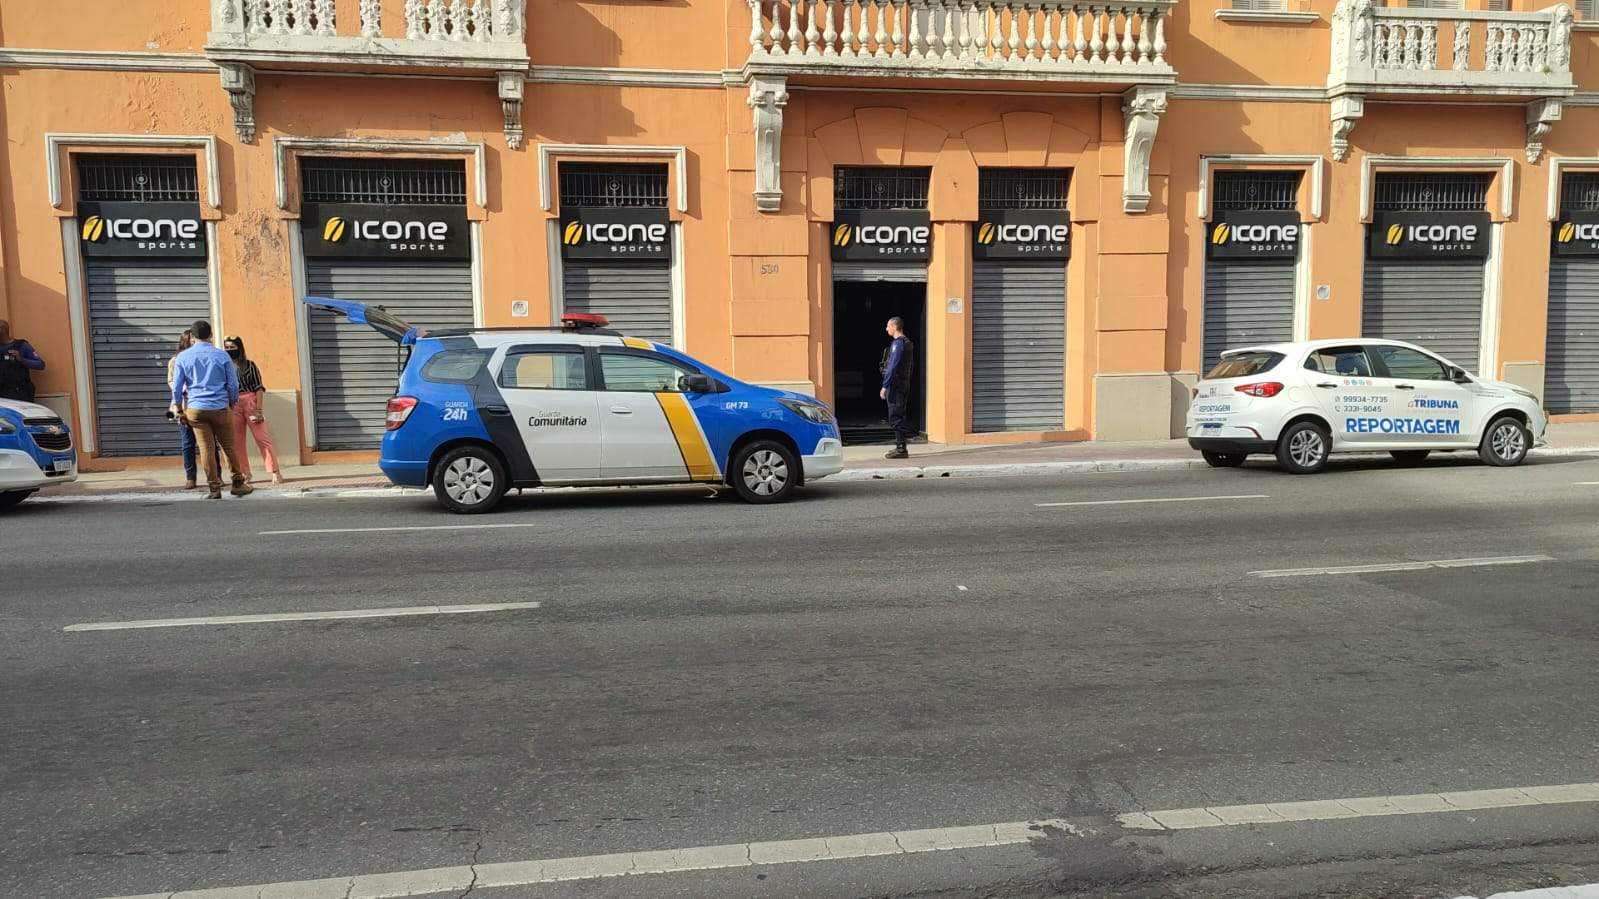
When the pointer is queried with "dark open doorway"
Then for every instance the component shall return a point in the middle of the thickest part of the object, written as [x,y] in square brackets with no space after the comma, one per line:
[860,311]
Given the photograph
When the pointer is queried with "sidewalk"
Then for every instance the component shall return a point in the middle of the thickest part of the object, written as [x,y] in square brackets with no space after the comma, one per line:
[860,463]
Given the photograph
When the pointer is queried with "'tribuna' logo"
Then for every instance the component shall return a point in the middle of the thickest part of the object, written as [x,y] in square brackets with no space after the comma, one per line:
[1221,233]
[842,235]
[1396,233]
[573,235]
[94,229]
[985,233]
[333,230]
[1567,232]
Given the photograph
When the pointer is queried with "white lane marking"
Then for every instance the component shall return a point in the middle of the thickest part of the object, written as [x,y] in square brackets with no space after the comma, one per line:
[1167,499]
[624,864]
[1586,484]
[1581,891]
[397,612]
[1404,566]
[1359,807]
[423,527]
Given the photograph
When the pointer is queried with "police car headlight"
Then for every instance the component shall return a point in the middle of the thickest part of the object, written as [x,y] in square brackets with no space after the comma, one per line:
[7,427]
[812,412]
[1526,393]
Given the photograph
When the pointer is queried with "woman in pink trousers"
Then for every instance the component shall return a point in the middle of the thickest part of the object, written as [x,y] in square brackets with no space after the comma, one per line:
[250,412]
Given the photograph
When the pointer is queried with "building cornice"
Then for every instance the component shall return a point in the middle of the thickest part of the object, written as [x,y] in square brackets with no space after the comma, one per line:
[105,61]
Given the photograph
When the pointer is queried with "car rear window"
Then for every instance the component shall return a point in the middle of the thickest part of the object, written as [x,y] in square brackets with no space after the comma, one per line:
[1245,365]
[454,366]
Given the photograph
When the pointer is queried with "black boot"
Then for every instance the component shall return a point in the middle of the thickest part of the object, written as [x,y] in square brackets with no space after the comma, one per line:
[898,452]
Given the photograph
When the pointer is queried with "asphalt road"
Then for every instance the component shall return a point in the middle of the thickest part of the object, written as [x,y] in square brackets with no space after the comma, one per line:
[881,656]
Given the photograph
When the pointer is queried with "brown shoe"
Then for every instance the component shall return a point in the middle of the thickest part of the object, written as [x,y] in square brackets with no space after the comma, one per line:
[215,494]
[189,485]
[242,490]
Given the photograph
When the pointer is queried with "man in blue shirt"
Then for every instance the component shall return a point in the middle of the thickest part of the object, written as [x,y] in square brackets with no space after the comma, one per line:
[206,385]
[18,361]
[899,364]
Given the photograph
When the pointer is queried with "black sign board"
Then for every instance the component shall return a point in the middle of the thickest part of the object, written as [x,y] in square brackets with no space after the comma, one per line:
[374,231]
[1253,235]
[620,232]
[141,229]
[1576,234]
[1023,234]
[1428,235]
[882,235]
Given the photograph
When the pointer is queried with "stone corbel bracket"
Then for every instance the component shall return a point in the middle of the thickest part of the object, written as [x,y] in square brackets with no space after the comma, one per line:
[1142,108]
[512,86]
[1541,118]
[767,98]
[1347,109]
[238,80]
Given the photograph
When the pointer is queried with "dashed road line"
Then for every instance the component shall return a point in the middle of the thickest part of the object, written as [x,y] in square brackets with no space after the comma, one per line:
[1404,566]
[397,612]
[626,864]
[1165,499]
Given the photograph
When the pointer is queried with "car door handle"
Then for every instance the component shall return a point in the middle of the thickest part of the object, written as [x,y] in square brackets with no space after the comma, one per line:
[1328,384]
[622,410]
[1404,387]
[496,410]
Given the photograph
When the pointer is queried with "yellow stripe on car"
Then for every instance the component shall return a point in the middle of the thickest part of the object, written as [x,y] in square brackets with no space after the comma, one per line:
[637,343]
[690,439]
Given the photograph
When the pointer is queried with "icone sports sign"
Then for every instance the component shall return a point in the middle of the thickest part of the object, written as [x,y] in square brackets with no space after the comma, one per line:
[1428,235]
[1022,234]
[136,230]
[882,235]
[374,231]
[1576,234]
[622,232]
[1253,235]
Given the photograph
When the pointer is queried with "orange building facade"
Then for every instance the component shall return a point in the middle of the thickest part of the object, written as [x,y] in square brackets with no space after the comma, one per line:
[1075,206]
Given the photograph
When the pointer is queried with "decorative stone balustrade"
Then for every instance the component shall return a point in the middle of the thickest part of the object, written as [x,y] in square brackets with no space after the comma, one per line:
[1470,53]
[1115,42]
[470,35]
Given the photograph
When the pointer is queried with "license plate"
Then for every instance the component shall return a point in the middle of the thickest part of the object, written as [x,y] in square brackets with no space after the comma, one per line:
[62,465]
[1210,424]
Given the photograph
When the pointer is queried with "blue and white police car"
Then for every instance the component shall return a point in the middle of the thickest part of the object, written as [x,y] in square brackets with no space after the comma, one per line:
[1304,401]
[35,451]
[483,410]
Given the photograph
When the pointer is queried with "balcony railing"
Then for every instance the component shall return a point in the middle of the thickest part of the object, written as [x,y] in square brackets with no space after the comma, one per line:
[1392,50]
[445,33]
[1111,42]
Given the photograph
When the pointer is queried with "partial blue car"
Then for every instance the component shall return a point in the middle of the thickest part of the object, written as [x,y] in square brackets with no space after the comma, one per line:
[35,451]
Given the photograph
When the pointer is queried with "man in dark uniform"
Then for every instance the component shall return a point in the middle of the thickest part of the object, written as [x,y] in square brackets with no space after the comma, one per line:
[899,364]
[18,362]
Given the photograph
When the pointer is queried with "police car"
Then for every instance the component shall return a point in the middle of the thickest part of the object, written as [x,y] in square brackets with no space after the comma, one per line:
[1304,401]
[35,451]
[483,410]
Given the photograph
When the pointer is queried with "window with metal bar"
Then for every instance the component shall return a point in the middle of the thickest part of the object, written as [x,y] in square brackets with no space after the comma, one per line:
[153,178]
[1579,192]
[1432,192]
[411,182]
[1588,10]
[1256,191]
[1435,4]
[587,184]
[1023,188]
[1260,5]
[880,187]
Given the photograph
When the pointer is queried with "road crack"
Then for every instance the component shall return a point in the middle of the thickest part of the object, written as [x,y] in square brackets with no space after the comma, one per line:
[472,884]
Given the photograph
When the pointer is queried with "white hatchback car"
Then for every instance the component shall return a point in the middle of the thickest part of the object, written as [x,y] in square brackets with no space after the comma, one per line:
[1304,401]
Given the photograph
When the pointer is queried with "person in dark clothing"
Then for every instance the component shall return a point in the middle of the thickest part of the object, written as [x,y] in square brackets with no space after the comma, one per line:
[18,361]
[899,364]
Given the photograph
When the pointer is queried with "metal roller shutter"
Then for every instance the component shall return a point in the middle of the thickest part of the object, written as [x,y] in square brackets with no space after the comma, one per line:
[1018,346]
[354,369]
[637,298]
[137,309]
[1571,378]
[1246,302]
[904,273]
[1436,305]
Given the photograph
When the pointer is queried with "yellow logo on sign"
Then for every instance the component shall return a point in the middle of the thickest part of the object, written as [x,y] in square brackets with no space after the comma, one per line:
[985,233]
[93,228]
[1220,235]
[573,235]
[842,235]
[1395,234]
[1568,231]
[333,230]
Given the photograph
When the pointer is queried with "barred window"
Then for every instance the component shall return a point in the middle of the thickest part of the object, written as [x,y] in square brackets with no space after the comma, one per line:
[1004,188]
[1256,191]
[1432,192]
[1579,192]
[586,184]
[880,187]
[412,182]
[141,178]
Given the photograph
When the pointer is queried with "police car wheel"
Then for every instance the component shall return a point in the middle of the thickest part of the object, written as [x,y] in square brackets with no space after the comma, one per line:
[469,479]
[7,500]
[1505,443]
[764,471]
[1224,460]
[1302,448]
[1410,457]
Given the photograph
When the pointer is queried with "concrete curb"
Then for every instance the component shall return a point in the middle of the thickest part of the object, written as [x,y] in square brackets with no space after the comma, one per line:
[902,473]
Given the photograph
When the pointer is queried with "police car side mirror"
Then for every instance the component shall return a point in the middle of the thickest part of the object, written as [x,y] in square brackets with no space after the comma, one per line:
[698,384]
[1458,375]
